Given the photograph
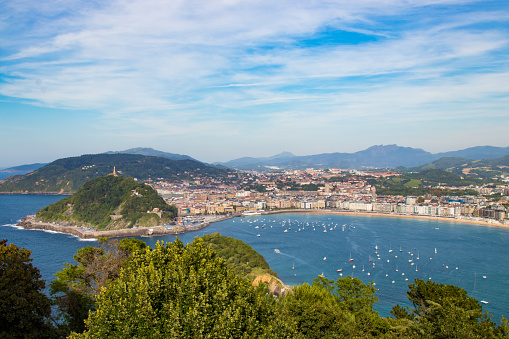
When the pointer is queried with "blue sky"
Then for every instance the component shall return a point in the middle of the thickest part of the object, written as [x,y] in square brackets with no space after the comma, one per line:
[218,80]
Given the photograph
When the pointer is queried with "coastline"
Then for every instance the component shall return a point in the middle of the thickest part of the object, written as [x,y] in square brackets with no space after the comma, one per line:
[490,222]
[29,223]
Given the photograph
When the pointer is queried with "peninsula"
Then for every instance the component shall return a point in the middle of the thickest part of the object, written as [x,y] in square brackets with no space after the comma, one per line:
[105,206]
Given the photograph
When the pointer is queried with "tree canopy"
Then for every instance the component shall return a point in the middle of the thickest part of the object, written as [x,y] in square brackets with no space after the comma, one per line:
[102,197]
[182,291]
[24,309]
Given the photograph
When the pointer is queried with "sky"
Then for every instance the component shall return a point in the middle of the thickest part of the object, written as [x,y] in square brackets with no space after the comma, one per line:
[218,80]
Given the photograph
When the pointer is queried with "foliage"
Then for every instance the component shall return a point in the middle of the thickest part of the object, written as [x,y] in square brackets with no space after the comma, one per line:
[414,184]
[24,308]
[69,174]
[239,256]
[444,163]
[186,292]
[77,285]
[102,197]
[358,299]
[294,186]
[317,312]
[446,311]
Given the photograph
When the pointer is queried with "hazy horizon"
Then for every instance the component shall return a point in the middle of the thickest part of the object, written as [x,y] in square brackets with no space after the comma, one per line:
[222,80]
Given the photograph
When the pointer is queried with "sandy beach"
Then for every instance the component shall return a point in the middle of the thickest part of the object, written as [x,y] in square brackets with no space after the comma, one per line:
[84,233]
[488,222]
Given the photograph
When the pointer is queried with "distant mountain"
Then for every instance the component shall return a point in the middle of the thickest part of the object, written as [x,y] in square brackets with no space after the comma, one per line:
[152,152]
[110,202]
[375,156]
[477,153]
[443,163]
[485,169]
[250,161]
[69,174]
[23,168]
[378,156]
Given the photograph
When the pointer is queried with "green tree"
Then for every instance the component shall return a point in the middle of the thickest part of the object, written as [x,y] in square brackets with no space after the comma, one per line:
[24,309]
[317,313]
[76,286]
[445,311]
[186,292]
[357,298]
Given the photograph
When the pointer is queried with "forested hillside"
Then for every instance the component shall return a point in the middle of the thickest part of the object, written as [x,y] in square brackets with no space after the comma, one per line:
[69,174]
[103,197]
[239,256]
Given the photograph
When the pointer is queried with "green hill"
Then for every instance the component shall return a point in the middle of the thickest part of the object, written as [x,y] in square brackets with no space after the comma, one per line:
[69,174]
[110,202]
[239,256]
[444,163]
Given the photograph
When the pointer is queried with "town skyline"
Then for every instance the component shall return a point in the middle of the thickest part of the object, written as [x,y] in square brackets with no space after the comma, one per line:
[220,81]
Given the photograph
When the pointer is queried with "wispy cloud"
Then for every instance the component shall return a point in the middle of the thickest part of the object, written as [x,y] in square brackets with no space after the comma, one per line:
[226,61]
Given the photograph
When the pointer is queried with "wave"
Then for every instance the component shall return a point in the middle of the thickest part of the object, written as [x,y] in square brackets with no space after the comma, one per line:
[47,231]
[14,226]
[80,239]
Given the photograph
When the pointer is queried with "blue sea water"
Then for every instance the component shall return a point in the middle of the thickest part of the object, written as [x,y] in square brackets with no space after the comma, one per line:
[472,257]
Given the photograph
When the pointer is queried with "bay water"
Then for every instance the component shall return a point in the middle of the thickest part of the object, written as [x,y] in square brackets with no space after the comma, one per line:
[391,252]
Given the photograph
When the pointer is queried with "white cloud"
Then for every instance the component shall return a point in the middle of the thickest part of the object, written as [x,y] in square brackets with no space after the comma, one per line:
[188,66]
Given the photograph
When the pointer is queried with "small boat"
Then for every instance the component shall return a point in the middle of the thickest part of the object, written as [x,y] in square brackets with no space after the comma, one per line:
[435,250]
[362,268]
[484,301]
[293,267]
[339,270]
[390,247]
[258,235]
[350,257]
[353,266]
[285,231]
[277,251]
[324,258]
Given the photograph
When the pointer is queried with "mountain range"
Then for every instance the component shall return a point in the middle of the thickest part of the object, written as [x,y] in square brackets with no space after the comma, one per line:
[378,156]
